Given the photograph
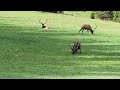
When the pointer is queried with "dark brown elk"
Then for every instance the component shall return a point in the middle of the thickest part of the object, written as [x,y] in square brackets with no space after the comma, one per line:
[76,46]
[87,27]
[44,25]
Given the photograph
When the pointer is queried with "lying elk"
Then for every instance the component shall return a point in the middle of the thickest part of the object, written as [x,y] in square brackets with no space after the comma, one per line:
[76,46]
[87,27]
[44,25]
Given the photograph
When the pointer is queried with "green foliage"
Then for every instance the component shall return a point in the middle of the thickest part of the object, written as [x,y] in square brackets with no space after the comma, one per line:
[116,16]
[108,15]
[105,15]
[92,15]
[80,14]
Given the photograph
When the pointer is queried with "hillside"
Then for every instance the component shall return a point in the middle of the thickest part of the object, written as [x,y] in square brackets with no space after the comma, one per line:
[28,51]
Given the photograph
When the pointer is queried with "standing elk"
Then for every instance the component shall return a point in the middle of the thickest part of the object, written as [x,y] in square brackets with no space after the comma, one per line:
[44,25]
[87,27]
[76,46]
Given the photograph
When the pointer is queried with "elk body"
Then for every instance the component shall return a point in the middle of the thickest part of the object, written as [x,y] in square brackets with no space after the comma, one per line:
[76,47]
[44,25]
[87,27]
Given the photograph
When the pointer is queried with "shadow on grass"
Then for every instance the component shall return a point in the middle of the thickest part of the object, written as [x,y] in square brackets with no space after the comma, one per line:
[57,42]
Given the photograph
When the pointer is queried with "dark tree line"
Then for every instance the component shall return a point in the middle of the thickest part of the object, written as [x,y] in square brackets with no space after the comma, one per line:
[55,11]
[106,15]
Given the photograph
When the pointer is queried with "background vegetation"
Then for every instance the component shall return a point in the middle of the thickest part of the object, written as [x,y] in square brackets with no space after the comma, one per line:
[103,15]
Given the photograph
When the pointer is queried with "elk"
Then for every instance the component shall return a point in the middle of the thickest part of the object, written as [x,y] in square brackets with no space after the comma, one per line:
[87,27]
[44,25]
[76,46]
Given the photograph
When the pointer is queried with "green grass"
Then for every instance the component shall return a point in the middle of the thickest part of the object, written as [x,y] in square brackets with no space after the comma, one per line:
[28,51]
[80,14]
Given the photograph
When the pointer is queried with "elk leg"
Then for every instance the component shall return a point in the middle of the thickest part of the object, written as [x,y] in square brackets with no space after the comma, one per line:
[80,30]
[80,50]
[88,31]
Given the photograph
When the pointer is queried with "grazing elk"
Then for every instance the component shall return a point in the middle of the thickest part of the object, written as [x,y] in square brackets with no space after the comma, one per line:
[44,25]
[76,46]
[87,27]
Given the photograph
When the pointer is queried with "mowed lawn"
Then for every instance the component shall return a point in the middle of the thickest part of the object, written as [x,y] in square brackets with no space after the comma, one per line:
[29,52]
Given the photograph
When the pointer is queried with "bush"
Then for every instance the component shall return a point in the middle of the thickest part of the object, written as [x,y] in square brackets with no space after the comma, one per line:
[105,15]
[92,15]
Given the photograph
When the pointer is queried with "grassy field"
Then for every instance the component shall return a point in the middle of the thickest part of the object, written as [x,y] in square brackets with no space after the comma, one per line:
[29,52]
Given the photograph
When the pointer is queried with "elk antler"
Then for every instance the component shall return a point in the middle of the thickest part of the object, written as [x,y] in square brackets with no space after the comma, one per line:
[40,21]
[46,21]
[95,27]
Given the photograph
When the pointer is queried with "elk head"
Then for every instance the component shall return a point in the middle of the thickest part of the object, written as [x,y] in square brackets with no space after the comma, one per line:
[76,46]
[44,25]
